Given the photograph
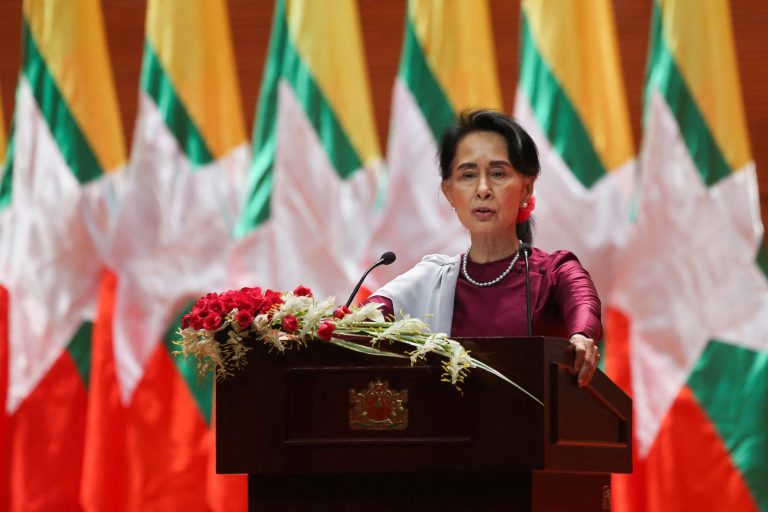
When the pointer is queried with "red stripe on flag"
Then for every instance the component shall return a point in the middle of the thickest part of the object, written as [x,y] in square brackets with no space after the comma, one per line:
[362,295]
[171,449]
[104,476]
[156,454]
[617,349]
[5,492]
[689,467]
[628,492]
[46,442]
[167,445]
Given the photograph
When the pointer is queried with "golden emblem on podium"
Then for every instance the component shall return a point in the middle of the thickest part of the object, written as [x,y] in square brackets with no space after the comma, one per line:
[378,408]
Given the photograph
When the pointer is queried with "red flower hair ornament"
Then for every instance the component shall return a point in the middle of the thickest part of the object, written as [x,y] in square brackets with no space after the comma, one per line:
[524,213]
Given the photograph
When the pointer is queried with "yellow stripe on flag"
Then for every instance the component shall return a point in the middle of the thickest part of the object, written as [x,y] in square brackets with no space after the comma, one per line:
[191,38]
[463,59]
[321,33]
[578,42]
[71,40]
[707,61]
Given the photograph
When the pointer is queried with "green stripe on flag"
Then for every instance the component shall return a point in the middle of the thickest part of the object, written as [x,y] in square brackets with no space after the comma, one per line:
[260,176]
[284,62]
[664,75]
[731,384]
[555,113]
[430,96]
[155,82]
[602,349]
[201,389]
[80,351]
[6,171]
[762,258]
[74,147]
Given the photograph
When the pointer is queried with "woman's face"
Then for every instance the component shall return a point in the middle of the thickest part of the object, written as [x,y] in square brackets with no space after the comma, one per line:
[484,187]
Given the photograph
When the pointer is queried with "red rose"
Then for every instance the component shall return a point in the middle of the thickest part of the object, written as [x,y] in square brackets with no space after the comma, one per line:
[271,298]
[216,306]
[258,305]
[245,304]
[185,320]
[196,322]
[199,305]
[325,330]
[229,303]
[302,291]
[251,305]
[290,324]
[341,312]
[244,318]
[212,322]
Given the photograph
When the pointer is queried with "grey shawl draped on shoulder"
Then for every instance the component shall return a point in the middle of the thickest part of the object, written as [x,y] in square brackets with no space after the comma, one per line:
[426,291]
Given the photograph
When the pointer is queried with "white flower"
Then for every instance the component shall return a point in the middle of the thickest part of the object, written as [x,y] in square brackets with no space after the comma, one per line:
[458,362]
[365,312]
[261,325]
[273,339]
[316,312]
[236,347]
[405,325]
[432,343]
[293,305]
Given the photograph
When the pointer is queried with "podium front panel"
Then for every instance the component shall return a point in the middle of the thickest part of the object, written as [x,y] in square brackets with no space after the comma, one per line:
[327,410]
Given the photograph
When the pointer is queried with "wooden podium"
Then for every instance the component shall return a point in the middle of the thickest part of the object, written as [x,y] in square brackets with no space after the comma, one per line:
[324,428]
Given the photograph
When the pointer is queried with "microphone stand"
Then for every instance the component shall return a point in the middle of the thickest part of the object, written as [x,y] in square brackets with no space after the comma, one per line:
[525,249]
[386,258]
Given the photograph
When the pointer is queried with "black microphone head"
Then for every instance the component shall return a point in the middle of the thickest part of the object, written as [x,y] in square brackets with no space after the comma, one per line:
[525,248]
[388,257]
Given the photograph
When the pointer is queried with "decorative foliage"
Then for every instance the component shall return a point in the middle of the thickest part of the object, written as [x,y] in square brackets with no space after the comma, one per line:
[222,328]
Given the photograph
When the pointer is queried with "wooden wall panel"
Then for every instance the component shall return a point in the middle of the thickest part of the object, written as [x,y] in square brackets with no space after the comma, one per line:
[383,28]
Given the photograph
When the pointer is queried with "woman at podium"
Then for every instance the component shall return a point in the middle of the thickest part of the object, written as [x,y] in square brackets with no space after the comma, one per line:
[489,165]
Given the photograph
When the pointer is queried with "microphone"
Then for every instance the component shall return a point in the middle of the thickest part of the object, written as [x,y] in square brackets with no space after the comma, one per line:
[386,259]
[525,249]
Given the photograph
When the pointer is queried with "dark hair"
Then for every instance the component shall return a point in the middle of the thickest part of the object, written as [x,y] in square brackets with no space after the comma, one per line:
[521,149]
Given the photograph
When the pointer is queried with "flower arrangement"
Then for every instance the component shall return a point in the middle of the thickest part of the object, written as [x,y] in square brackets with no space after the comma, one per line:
[221,328]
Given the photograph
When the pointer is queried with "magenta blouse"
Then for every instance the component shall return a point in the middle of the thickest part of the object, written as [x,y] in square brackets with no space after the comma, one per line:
[563,299]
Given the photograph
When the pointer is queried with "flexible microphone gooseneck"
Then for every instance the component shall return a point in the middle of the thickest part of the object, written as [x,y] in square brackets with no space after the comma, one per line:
[386,258]
[526,249]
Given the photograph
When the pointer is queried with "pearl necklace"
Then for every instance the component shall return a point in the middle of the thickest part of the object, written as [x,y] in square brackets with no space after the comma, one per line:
[487,283]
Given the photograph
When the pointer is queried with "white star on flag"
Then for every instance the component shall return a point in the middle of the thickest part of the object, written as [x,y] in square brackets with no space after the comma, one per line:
[687,273]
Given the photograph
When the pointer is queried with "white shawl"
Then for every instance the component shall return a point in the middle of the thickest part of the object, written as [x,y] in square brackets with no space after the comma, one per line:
[426,291]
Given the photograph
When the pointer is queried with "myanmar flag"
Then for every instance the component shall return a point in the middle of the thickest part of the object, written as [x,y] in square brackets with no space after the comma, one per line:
[4,213]
[313,177]
[55,208]
[150,438]
[692,291]
[447,65]
[570,98]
